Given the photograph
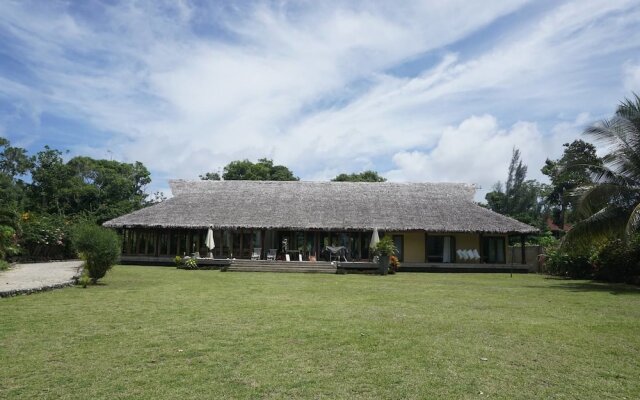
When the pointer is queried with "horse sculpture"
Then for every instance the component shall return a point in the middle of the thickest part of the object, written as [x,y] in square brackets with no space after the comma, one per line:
[330,253]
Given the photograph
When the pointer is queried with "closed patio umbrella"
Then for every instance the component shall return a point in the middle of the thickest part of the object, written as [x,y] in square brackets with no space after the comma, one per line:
[375,238]
[209,242]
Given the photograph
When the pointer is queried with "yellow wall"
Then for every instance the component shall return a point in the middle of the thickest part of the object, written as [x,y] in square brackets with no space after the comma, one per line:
[413,245]
[467,241]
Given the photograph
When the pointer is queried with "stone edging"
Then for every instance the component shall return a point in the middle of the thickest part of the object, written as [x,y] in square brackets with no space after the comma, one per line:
[17,292]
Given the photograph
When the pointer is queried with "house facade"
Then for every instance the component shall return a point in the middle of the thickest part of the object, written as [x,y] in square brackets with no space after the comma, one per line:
[429,222]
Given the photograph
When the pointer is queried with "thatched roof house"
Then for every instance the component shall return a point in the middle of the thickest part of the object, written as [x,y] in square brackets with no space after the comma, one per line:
[431,207]
[270,210]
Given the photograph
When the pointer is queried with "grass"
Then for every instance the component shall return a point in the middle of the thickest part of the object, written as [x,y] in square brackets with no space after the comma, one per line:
[151,332]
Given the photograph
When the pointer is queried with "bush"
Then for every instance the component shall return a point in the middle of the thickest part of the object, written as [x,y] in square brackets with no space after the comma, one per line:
[46,237]
[99,247]
[84,279]
[386,247]
[617,261]
[8,242]
[394,264]
[4,265]
[188,263]
[558,262]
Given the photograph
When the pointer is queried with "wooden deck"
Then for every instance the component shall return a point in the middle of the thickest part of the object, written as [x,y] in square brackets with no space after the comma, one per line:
[466,267]
[243,265]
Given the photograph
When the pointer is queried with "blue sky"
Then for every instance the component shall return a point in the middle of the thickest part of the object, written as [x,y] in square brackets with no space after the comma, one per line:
[422,91]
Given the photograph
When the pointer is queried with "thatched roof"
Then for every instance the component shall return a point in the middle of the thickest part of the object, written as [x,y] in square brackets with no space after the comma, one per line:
[432,207]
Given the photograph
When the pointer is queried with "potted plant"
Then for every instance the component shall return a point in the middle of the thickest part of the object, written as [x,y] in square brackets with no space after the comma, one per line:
[385,248]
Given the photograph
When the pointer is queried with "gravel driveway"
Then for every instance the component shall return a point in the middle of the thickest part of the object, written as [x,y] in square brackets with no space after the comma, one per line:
[29,278]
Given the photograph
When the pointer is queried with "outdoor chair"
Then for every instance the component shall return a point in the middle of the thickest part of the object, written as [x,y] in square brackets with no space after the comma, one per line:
[271,255]
[257,253]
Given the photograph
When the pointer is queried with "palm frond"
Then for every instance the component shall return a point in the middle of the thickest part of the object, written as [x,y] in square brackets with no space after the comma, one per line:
[608,222]
[612,132]
[593,198]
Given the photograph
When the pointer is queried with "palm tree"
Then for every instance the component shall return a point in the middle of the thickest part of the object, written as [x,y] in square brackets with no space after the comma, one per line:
[610,207]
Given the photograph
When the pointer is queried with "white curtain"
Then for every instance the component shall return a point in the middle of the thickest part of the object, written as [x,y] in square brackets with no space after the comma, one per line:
[446,251]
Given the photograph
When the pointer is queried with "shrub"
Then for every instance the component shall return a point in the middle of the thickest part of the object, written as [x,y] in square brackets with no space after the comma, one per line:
[394,264]
[178,261]
[617,261]
[8,242]
[46,237]
[99,247]
[558,262]
[188,263]
[84,279]
[3,265]
[386,247]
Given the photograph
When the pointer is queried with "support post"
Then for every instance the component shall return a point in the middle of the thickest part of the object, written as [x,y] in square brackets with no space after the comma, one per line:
[523,251]
[263,233]
[426,249]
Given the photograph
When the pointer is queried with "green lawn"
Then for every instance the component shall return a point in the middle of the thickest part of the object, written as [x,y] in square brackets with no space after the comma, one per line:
[152,332]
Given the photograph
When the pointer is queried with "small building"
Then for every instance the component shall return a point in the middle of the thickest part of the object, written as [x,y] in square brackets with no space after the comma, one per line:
[429,222]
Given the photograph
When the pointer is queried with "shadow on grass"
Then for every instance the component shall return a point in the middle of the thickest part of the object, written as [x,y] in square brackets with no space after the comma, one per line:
[573,286]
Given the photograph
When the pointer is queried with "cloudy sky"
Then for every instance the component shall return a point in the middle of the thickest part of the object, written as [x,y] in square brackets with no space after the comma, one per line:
[421,91]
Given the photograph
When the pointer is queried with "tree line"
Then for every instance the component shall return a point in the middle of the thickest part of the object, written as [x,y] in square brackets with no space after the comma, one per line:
[265,170]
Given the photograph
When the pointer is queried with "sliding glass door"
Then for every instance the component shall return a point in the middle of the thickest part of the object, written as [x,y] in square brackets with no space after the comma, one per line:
[493,250]
[441,249]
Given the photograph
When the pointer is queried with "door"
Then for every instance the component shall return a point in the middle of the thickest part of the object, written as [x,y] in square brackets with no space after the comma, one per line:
[398,241]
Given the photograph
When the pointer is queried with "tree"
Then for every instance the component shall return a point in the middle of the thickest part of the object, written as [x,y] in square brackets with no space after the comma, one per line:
[210,176]
[14,161]
[496,199]
[102,189]
[610,206]
[521,198]
[366,176]
[49,177]
[574,169]
[14,164]
[263,170]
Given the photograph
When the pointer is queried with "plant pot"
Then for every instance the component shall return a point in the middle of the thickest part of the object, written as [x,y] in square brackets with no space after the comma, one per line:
[383,265]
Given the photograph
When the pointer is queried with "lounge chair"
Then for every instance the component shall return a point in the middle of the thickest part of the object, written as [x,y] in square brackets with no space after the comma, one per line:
[271,255]
[257,253]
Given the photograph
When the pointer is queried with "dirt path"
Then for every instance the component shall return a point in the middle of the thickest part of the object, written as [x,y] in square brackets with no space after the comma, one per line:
[30,278]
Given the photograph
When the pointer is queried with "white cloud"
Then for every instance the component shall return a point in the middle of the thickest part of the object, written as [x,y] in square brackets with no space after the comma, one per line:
[311,87]
[479,150]
[631,77]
